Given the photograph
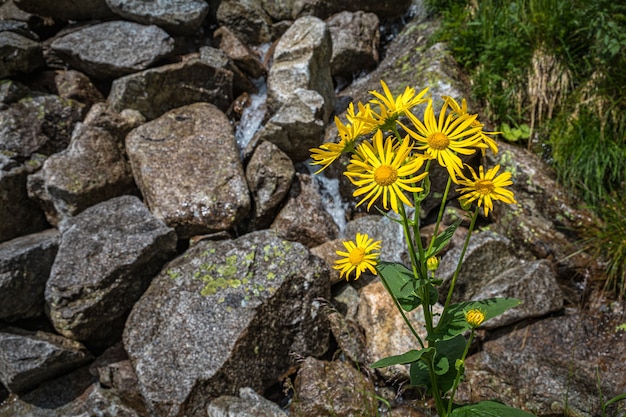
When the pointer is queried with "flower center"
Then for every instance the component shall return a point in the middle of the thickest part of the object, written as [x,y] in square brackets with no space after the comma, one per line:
[385,175]
[484,187]
[438,141]
[356,256]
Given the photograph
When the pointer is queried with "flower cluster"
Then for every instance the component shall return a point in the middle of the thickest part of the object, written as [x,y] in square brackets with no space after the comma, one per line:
[392,167]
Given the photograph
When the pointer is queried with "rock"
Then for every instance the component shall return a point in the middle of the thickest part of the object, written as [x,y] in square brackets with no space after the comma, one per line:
[332,388]
[12,91]
[25,264]
[246,19]
[217,58]
[28,358]
[223,316]
[249,403]
[155,91]
[74,85]
[303,218]
[17,27]
[40,123]
[67,9]
[328,252]
[300,89]
[92,169]
[20,215]
[239,52]
[181,18]
[107,257]
[355,39]
[18,54]
[323,8]
[278,9]
[269,174]
[113,49]
[350,338]
[553,366]
[381,228]
[386,333]
[74,394]
[187,166]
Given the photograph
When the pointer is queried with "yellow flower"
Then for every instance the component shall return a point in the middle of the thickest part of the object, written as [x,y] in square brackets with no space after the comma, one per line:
[474,317]
[443,139]
[462,110]
[391,107]
[486,187]
[385,169]
[327,153]
[432,263]
[361,255]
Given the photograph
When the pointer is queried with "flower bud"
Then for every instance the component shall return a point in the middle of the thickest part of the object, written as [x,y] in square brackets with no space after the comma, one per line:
[474,317]
[432,263]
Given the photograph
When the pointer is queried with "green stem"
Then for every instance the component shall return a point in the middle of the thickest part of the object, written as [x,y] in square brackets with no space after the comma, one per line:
[440,214]
[459,264]
[404,317]
[459,373]
[441,408]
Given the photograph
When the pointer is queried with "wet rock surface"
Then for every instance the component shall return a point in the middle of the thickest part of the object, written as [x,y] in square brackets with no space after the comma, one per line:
[154,263]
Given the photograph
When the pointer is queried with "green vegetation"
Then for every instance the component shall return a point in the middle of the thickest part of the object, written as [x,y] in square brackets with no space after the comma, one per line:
[556,69]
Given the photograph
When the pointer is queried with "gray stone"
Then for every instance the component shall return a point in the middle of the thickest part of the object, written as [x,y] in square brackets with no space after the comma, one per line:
[239,52]
[217,58]
[223,316]
[40,123]
[269,174]
[300,89]
[12,91]
[25,264]
[390,9]
[187,166]
[155,91]
[381,228]
[113,49]
[20,215]
[554,366]
[92,169]
[67,9]
[303,218]
[175,16]
[332,389]
[248,403]
[278,9]
[107,257]
[247,19]
[28,358]
[18,54]
[355,39]
[74,85]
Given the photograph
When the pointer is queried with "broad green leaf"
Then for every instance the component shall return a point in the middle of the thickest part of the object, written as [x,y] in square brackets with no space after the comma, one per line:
[443,239]
[488,409]
[408,357]
[401,282]
[452,321]
[446,352]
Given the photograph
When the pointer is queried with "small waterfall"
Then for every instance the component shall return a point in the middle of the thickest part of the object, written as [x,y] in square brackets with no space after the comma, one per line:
[252,115]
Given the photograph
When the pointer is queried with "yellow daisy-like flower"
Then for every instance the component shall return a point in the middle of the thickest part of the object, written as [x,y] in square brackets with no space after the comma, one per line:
[475,317]
[462,110]
[385,169]
[361,255]
[327,153]
[446,137]
[391,107]
[486,188]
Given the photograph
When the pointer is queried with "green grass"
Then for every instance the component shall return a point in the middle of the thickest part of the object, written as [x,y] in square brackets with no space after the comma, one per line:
[556,66]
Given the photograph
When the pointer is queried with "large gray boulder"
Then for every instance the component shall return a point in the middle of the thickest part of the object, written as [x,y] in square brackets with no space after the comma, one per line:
[158,90]
[113,49]
[223,316]
[107,257]
[92,169]
[175,16]
[25,264]
[300,95]
[67,9]
[187,166]
[18,54]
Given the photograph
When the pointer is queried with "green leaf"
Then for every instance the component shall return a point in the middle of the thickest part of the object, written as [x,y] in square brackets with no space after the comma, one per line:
[408,357]
[452,321]
[615,399]
[445,353]
[441,240]
[488,409]
[401,282]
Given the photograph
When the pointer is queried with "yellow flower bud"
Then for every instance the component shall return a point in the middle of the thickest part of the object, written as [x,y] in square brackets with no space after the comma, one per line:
[432,263]
[474,317]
